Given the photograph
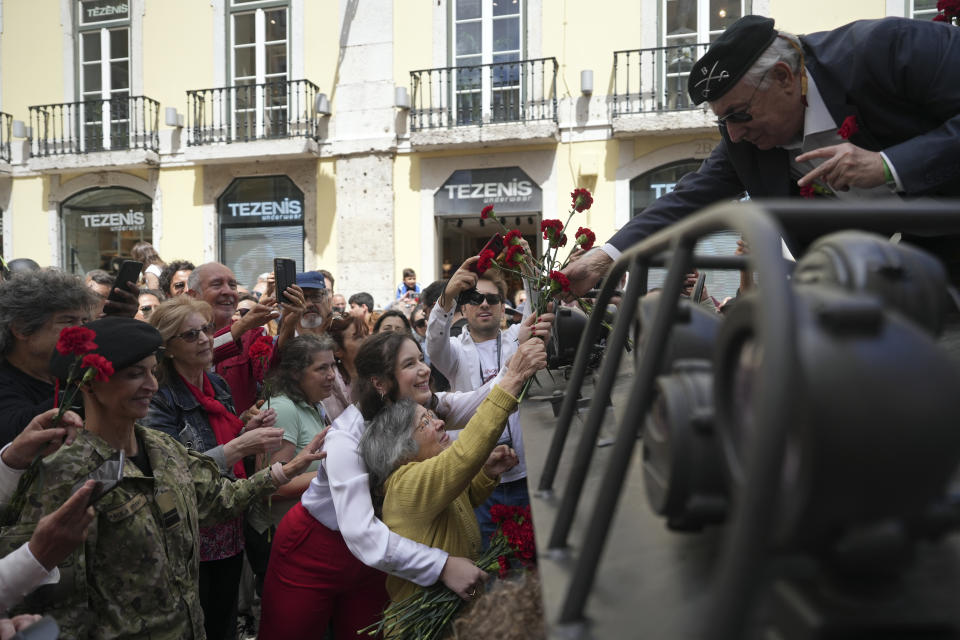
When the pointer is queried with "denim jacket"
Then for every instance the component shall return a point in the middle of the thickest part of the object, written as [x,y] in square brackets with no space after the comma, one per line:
[175,411]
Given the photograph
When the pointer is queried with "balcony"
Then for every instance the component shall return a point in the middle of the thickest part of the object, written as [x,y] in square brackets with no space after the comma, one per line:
[650,90]
[504,102]
[116,132]
[279,110]
[6,124]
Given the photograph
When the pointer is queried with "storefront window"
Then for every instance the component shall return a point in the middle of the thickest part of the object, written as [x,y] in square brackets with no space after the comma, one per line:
[648,187]
[260,219]
[100,226]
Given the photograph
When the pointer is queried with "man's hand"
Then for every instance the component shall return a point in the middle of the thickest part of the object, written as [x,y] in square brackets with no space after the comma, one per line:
[501,460]
[585,272]
[262,313]
[846,166]
[462,280]
[59,533]
[294,303]
[535,326]
[463,577]
[40,439]
[129,302]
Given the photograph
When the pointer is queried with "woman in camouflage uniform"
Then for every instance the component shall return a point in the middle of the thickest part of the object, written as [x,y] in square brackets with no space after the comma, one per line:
[136,576]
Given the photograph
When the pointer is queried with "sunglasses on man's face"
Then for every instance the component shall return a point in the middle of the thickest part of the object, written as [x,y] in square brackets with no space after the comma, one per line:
[477,298]
[194,334]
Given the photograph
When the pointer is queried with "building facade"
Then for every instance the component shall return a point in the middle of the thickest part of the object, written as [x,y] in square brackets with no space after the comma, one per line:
[359,136]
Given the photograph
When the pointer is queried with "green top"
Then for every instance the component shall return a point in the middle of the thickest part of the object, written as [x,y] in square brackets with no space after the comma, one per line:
[300,423]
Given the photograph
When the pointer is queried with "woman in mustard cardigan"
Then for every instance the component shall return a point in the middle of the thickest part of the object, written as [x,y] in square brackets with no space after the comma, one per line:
[430,483]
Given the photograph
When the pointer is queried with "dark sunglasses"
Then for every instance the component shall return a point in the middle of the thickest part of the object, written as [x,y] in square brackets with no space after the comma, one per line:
[420,324]
[742,116]
[477,298]
[194,334]
[243,311]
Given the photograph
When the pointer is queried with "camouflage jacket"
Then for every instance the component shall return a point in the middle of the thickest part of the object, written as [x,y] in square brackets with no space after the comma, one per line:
[137,574]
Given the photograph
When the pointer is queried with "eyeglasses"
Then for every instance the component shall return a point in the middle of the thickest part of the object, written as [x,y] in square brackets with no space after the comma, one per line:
[317,295]
[179,286]
[194,334]
[425,421]
[742,116]
[420,324]
[477,298]
[339,309]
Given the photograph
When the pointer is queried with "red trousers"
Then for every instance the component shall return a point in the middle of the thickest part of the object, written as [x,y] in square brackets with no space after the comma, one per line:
[312,578]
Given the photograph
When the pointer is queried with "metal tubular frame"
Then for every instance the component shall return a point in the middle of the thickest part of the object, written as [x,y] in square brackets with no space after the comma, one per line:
[746,535]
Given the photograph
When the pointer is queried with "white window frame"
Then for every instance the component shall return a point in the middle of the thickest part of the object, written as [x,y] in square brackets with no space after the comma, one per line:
[920,14]
[260,43]
[103,29]
[486,21]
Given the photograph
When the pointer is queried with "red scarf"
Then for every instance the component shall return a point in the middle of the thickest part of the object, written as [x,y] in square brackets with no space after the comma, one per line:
[225,425]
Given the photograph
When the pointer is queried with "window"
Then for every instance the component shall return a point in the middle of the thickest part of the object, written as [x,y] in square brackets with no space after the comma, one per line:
[646,188]
[100,227]
[922,9]
[258,68]
[103,39]
[488,36]
[687,24]
[261,219]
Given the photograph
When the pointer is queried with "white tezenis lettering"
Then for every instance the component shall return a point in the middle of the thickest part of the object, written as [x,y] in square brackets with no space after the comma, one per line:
[287,209]
[515,189]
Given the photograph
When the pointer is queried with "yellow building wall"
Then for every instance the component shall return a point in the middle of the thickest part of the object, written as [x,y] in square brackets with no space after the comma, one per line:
[321,46]
[806,17]
[592,166]
[581,36]
[325,238]
[31,49]
[413,44]
[182,227]
[177,51]
[27,221]
[407,225]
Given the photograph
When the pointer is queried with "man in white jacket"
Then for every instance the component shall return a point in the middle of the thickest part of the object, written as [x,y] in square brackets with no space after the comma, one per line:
[474,357]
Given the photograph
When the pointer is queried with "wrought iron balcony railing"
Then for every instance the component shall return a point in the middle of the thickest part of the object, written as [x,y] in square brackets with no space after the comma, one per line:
[6,124]
[128,122]
[518,91]
[271,110]
[652,80]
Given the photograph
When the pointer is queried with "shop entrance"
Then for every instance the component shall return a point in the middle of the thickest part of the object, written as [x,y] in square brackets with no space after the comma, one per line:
[100,227]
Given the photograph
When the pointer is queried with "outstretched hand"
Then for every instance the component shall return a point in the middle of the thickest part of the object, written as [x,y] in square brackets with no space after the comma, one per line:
[535,326]
[501,459]
[845,165]
[585,272]
[462,280]
[309,454]
[39,438]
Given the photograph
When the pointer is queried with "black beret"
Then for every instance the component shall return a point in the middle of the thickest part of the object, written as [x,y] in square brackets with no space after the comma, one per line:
[122,341]
[729,57]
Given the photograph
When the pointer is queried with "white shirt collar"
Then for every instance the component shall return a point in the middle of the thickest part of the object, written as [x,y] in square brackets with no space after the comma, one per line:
[816,116]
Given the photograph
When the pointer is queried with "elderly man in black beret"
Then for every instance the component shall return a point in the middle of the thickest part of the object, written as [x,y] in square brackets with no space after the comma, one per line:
[871,109]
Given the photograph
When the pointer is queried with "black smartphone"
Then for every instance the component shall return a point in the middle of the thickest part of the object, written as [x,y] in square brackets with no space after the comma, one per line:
[495,244]
[285,274]
[129,272]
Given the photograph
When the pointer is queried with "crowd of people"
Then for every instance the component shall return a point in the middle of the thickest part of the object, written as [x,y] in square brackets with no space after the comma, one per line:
[201,452]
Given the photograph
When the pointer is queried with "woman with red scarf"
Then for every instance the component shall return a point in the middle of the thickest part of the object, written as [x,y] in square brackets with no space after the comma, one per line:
[195,406]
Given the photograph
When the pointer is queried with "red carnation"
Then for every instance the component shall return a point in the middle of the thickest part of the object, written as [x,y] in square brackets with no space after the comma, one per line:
[585,238]
[848,128]
[76,341]
[504,566]
[102,366]
[561,280]
[553,231]
[950,7]
[485,262]
[487,211]
[514,256]
[262,347]
[513,237]
[940,18]
[581,199]
[807,191]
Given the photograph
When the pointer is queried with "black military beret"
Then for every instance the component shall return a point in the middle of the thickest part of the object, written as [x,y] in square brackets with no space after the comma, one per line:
[729,57]
[122,341]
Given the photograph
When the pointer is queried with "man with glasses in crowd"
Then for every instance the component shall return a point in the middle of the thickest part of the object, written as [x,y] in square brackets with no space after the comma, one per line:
[473,358]
[316,298]
[871,109]
[215,284]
